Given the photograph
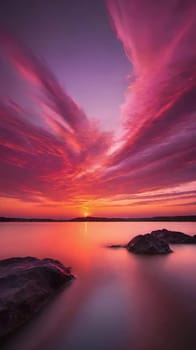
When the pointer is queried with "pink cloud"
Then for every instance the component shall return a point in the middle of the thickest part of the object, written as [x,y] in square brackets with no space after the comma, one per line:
[159,112]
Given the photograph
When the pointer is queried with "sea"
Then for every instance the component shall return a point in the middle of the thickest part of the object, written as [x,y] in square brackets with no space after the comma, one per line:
[118,301]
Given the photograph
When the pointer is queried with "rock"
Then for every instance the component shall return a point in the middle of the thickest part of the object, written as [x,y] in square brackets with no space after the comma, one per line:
[26,284]
[174,237]
[148,244]
[115,246]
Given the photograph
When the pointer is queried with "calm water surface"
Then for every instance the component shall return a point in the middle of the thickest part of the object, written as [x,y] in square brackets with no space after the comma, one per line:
[119,301]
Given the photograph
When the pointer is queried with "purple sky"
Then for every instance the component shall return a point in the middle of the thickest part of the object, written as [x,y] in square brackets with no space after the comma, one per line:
[78,44]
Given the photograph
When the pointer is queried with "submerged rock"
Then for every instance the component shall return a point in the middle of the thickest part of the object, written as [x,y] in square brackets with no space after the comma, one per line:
[115,246]
[174,237]
[148,244]
[26,284]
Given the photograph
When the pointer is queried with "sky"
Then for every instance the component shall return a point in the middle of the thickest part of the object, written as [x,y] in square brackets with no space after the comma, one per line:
[97,108]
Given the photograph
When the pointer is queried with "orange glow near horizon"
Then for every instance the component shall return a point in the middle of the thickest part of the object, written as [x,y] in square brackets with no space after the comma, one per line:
[18,208]
[86,213]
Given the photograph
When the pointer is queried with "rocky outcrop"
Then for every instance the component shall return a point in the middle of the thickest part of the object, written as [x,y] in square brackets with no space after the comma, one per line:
[156,242]
[26,284]
[174,237]
[148,244]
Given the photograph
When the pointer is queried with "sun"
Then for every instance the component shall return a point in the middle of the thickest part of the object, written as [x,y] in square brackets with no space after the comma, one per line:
[85,212]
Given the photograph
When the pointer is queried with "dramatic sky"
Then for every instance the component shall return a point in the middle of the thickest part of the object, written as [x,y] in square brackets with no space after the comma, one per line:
[97,108]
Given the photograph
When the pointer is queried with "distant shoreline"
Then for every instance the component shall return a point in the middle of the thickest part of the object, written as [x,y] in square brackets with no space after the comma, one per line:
[191,218]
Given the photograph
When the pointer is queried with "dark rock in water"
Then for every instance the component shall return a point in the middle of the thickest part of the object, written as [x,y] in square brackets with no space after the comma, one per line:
[174,237]
[115,246]
[156,242]
[26,284]
[148,244]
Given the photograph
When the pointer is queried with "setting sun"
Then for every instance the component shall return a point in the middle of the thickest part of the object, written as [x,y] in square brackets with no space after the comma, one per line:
[85,211]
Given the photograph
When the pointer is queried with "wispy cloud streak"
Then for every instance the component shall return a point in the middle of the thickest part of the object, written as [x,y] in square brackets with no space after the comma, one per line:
[46,160]
[159,112]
